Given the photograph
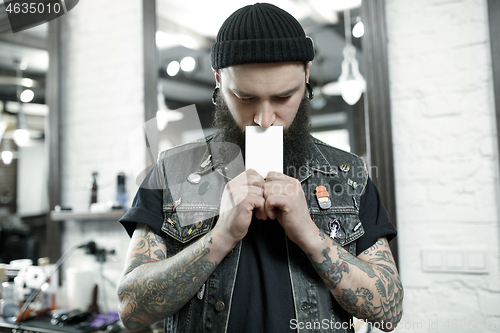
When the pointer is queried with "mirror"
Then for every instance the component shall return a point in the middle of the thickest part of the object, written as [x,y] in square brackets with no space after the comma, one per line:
[184,38]
[23,183]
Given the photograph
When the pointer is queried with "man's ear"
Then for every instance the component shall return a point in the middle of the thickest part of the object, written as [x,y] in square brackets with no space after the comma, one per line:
[307,70]
[217,74]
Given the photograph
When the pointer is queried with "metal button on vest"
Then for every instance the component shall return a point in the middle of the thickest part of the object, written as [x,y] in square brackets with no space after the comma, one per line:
[194,178]
[220,306]
[198,224]
[336,186]
[203,188]
[344,167]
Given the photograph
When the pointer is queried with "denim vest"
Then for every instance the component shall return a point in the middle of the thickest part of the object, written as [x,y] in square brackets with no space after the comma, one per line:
[194,176]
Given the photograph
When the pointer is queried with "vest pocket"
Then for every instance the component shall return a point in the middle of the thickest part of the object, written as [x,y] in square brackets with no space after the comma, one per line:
[188,222]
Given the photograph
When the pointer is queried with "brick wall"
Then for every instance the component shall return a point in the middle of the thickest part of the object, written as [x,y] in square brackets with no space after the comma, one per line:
[446,163]
[102,85]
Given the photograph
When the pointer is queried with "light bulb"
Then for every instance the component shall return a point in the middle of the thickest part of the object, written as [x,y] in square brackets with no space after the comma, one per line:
[188,64]
[27,96]
[173,68]
[28,82]
[21,137]
[7,157]
[351,91]
[358,30]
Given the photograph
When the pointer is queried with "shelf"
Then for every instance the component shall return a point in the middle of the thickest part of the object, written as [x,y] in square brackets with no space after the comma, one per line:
[86,216]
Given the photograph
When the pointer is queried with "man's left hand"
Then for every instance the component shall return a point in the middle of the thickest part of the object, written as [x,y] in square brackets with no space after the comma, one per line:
[285,201]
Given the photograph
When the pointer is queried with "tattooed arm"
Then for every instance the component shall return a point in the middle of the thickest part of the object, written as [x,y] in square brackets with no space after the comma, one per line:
[367,286]
[153,287]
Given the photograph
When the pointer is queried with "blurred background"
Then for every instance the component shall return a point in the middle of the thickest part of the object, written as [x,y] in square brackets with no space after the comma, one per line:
[408,86]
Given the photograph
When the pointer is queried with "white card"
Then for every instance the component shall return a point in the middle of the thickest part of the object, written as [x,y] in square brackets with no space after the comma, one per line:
[264,149]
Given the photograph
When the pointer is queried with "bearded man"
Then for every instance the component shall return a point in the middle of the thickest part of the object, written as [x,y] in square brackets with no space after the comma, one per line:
[221,249]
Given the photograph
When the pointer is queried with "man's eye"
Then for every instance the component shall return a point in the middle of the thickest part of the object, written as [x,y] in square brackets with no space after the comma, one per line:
[283,98]
[245,100]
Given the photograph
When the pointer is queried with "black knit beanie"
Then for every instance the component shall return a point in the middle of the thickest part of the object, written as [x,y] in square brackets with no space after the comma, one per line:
[260,33]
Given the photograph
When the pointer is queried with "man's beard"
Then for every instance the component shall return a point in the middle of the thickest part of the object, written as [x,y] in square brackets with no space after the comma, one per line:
[297,143]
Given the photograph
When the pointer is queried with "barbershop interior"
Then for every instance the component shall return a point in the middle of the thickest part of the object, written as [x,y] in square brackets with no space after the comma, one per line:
[89,99]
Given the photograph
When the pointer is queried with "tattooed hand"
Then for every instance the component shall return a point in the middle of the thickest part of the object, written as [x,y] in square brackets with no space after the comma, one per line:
[367,286]
[242,197]
[286,202]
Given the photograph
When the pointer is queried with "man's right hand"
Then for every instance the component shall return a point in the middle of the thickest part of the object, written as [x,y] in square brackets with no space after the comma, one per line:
[242,196]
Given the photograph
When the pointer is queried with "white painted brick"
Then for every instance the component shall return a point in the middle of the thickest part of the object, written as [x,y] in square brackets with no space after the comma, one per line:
[103,91]
[412,194]
[489,303]
[446,163]
[487,146]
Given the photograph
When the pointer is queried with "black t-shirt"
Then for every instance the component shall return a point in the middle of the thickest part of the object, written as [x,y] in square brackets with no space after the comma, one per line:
[262,297]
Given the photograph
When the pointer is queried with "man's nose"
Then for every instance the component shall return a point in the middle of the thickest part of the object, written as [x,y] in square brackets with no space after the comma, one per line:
[265,115]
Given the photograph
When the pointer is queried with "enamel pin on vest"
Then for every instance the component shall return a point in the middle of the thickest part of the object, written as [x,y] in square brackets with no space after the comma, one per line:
[205,163]
[344,167]
[323,197]
[334,226]
[352,183]
[177,203]
[172,222]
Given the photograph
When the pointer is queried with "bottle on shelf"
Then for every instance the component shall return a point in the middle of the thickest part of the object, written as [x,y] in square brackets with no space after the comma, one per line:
[93,189]
[121,193]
